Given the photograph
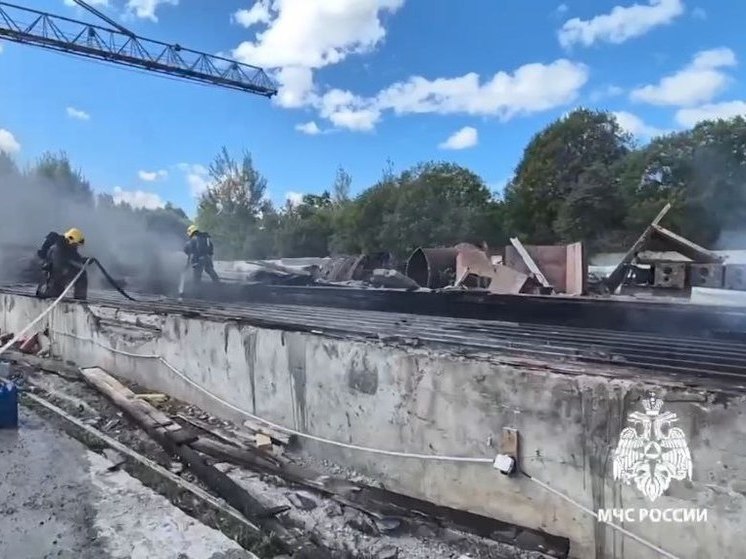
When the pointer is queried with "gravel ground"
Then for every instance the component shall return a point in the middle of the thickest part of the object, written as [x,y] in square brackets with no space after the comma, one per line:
[59,500]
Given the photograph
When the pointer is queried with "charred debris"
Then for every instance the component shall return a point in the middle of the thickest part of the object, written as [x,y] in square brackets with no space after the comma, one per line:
[660,262]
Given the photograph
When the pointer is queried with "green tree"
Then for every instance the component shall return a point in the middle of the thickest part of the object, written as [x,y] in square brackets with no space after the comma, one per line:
[232,206]
[552,165]
[438,204]
[702,172]
[431,204]
[593,211]
[341,187]
[56,174]
[305,229]
[361,223]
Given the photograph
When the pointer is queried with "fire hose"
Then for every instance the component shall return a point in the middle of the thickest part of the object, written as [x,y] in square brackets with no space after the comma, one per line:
[86,264]
[110,279]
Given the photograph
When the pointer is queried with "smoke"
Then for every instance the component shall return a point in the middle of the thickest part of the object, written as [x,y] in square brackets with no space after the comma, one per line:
[137,246]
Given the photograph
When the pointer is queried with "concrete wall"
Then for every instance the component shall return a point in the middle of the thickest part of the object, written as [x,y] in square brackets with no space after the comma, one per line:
[422,401]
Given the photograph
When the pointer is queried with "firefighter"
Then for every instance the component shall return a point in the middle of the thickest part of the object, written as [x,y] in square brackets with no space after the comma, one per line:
[61,262]
[199,249]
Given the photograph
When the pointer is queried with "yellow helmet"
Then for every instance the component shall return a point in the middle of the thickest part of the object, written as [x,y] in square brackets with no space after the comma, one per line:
[191,230]
[75,236]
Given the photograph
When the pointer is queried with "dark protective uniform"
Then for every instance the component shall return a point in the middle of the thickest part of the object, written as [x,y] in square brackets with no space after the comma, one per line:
[199,249]
[60,264]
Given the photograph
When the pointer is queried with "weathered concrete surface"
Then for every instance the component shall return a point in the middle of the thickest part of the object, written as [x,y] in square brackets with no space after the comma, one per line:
[420,401]
[57,499]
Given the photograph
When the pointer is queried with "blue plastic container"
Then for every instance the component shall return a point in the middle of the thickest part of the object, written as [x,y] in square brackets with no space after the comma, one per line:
[8,405]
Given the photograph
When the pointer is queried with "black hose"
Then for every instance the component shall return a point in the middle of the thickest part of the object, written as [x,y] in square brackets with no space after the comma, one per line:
[111,280]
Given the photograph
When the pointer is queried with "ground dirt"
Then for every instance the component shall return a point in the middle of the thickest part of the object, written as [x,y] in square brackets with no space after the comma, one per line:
[59,499]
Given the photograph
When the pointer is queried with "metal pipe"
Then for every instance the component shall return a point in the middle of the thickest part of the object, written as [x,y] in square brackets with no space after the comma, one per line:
[432,267]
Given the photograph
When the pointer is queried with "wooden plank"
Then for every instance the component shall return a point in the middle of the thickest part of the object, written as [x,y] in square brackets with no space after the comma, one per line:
[218,513]
[529,262]
[509,442]
[209,429]
[617,276]
[275,435]
[263,442]
[228,489]
[684,246]
[576,273]
[153,397]
[248,457]
[104,382]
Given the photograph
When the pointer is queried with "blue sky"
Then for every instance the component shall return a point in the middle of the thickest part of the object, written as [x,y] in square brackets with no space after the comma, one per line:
[363,81]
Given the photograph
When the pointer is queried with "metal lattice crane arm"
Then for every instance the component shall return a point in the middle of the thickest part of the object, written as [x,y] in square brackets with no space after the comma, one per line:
[103,16]
[120,46]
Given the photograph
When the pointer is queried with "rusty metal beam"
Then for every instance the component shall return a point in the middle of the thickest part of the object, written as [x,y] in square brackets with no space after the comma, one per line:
[617,276]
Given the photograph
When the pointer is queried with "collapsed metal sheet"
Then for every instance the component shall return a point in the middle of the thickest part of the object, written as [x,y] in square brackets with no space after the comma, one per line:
[433,267]
[357,267]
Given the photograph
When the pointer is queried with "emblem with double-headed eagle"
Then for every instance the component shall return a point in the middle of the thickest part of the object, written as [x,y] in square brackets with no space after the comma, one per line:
[651,452]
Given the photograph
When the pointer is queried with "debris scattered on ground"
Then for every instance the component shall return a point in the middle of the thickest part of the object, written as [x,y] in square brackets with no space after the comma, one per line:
[153,398]
[392,279]
[302,500]
[337,526]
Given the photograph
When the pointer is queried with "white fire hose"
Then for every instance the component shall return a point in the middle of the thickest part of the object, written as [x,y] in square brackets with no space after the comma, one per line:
[49,309]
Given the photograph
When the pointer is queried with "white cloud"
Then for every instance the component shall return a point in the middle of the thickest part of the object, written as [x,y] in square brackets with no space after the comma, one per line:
[562,8]
[8,142]
[713,111]
[145,9]
[714,58]
[636,126]
[302,35]
[297,37]
[361,120]
[698,82]
[296,87]
[621,24]
[259,13]
[1,48]
[137,198]
[344,109]
[295,198]
[151,176]
[72,112]
[310,128]
[531,88]
[197,177]
[316,33]
[467,137]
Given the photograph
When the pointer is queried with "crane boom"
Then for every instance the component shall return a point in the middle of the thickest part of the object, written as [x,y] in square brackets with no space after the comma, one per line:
[122,47]
[104,17]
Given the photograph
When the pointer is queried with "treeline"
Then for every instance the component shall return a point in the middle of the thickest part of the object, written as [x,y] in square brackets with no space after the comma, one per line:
[581,178]
[430,204]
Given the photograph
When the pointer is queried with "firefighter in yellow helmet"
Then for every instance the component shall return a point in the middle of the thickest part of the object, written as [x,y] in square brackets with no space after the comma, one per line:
[199,250]
[61,262]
